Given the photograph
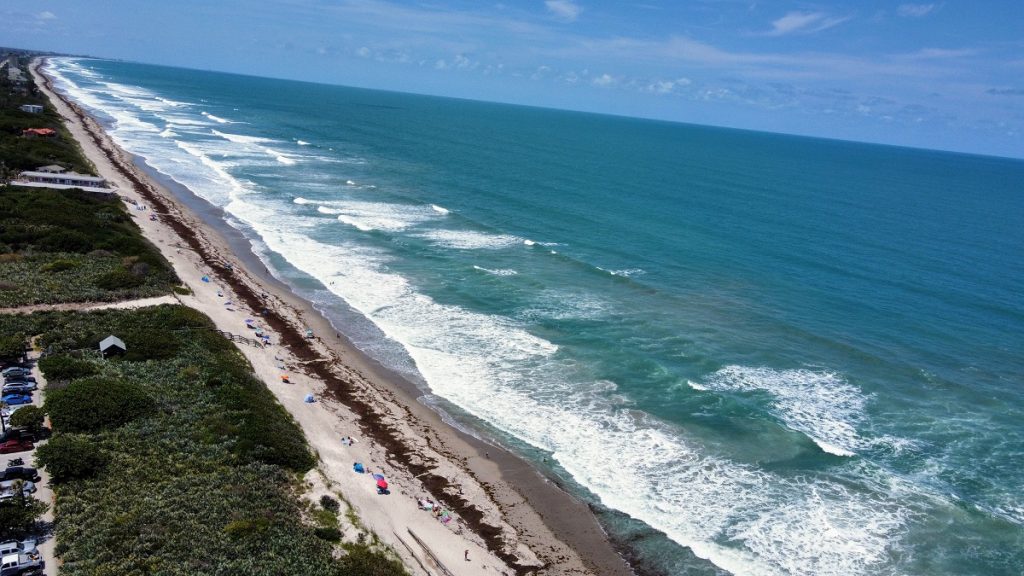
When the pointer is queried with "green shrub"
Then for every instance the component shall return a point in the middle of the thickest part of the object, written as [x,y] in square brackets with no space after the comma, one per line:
[65,367]
[330,504]
[329,534]
[365,561]
[60,265]
[247,528]
[30,417]
[183,290]
[65,241]
[119,279]
[94,404]
[70,457]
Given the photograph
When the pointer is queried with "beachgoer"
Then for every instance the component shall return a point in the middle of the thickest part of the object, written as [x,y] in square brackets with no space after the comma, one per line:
[466,555]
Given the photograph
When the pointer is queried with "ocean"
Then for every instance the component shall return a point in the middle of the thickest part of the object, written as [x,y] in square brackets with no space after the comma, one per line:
[754,354]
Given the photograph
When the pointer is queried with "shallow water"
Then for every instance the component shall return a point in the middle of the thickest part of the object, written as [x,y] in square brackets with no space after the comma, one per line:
[760,354]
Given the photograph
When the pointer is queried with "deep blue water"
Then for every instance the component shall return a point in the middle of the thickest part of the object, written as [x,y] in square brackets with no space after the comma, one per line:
[761,354]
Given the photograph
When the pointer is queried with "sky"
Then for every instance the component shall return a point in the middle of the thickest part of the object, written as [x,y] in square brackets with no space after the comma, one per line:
[933,74]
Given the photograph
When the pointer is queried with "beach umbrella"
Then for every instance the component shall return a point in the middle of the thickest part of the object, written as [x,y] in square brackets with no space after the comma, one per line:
[309,399]
[382,484]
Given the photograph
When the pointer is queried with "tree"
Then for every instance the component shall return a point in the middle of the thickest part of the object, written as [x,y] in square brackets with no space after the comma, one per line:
[12,348]
[30,417]
[97,403]
[70,456]
[19,514]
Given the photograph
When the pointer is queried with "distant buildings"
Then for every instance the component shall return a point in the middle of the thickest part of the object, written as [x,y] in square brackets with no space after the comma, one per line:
[31,108]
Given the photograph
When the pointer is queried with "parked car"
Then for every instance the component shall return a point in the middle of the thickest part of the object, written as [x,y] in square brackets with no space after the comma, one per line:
[17,434]
[16,379]
[19,388]
[15,399]
[17,547]
[14,371]
[12,446]
[19,473]
[21,562]
[27,486]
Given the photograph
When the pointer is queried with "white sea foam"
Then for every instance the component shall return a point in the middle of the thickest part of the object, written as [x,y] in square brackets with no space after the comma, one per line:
[241,139]
[822,405]
[470,239]
[301,200]
[168,133]
[386,216]
[497,271]
[182,120]
[286,160]
[627,273]
[529,242]
[216,119]
[746,520]
[302,143]
[440,210]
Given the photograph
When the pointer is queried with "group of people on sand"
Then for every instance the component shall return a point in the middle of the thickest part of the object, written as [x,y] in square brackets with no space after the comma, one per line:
[440,512]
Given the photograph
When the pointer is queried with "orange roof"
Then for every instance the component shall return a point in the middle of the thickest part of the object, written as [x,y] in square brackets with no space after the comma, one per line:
[38,132]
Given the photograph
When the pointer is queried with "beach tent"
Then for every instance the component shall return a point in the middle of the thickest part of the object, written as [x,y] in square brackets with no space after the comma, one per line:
[309,399]
[358,467]
[382,483]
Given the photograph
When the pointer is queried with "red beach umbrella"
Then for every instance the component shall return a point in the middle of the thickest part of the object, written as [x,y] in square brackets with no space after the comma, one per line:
[382,484]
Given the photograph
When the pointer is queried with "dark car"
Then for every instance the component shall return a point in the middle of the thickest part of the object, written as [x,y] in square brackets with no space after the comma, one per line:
[16,399]
[19,388]
[12,446]
[19,473]
[16,379]
[17,434]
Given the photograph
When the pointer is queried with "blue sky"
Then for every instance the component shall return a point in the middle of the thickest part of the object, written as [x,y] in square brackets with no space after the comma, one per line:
[946,75]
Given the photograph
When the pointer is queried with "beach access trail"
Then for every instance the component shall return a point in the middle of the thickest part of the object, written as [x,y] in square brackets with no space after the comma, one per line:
[506,529]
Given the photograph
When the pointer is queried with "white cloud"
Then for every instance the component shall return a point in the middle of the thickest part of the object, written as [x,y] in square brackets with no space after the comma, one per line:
[914,10]
[604,80]
[440,65]
[804,23]
[364,52]
[47,15]
[564,10]
[667,86]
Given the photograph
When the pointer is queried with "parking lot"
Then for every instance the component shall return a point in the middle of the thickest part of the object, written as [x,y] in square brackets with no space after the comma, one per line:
[44,493]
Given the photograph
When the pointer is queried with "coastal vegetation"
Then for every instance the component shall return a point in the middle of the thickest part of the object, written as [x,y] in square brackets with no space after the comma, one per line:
[18,153]
[174,458]
[70,246]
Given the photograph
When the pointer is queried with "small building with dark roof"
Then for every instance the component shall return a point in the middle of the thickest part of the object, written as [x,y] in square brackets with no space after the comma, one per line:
[112,346]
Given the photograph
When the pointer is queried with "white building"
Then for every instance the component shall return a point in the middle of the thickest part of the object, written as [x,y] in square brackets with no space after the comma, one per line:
[62,181]
[31,108]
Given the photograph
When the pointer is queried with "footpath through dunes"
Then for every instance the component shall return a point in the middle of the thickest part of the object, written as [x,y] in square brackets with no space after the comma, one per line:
[521,528]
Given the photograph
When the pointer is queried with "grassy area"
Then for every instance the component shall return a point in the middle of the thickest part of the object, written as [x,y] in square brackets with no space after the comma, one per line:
[175,459]
[18,153]
[69,246]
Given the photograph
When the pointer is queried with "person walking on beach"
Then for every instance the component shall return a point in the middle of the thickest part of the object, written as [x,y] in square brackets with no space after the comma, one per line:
[466,555]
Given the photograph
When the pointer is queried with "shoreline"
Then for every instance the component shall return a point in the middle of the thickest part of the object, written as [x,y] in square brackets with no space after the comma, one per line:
[523,519]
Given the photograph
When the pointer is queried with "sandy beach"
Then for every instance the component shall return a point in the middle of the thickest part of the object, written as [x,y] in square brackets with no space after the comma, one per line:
[510,518]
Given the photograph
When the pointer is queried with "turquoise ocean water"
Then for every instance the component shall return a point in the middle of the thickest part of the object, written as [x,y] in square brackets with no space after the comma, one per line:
[755,354]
